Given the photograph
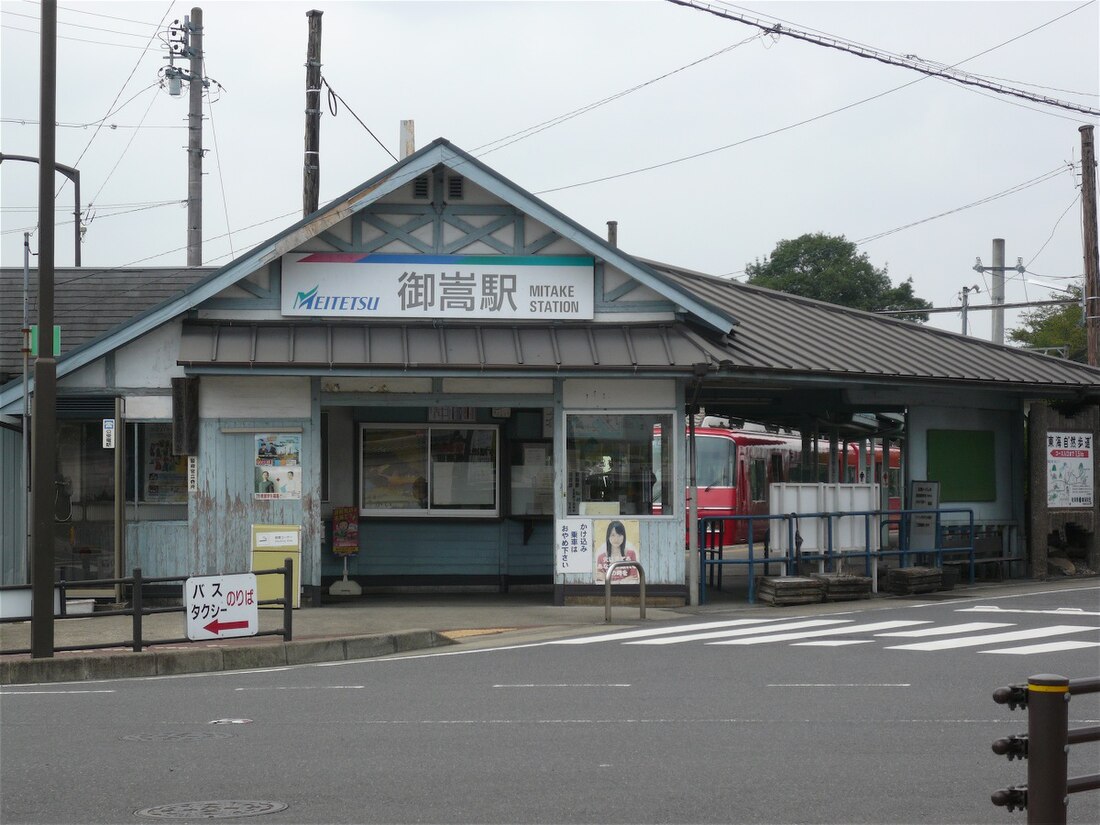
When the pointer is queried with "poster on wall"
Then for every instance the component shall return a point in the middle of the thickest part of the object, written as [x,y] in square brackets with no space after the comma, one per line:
[573,546]
[165,474]
[616,540]
[278,473]
[1070,481]
[345,531]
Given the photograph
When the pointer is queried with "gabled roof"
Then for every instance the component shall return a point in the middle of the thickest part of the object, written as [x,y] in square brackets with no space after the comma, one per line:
[88,302]
[781,333]
[438,152]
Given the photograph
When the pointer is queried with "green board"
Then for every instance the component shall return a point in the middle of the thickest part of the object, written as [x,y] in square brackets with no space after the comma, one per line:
[962,461]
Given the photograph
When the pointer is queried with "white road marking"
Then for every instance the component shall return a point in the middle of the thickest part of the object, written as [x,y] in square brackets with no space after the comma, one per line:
[654,631]
[969,627]
[831,631]
[770,627]
[1061,611]
[1046,647]
[993,638]
[48,692]
[834,643]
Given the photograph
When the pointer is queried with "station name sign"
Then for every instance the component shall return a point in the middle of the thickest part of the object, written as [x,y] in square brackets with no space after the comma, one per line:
[354,285]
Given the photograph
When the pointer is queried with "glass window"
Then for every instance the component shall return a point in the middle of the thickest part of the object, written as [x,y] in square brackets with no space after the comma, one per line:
[615,464]
[429,470]
[714,462]
[758,479]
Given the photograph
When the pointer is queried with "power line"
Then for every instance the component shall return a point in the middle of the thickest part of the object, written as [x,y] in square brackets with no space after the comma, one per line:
[74,25]
[332,96]
[546,124]
[906,61]
[73,39]
[1020,187]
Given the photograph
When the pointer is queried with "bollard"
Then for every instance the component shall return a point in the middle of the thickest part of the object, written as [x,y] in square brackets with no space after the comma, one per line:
[136,608]
[288,599]
[607,586]
[1047,764]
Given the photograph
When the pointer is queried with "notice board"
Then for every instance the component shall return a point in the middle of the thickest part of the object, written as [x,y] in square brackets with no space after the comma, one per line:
[963,462]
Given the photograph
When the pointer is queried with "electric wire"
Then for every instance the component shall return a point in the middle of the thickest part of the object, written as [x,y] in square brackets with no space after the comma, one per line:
[909,62]
[218,163]
[73,39]
[332,108]
[74,25]
[1019,187]
[125,150]
[507,140]
[91,140]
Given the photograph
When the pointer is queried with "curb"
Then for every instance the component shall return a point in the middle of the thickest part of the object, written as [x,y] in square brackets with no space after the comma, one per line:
[83,668]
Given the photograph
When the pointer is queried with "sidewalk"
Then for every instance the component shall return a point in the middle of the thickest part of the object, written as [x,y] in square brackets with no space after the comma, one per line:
[380,625]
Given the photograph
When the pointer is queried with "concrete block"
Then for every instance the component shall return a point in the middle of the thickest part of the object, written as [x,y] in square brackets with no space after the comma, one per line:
[325,650]
[194,660]
[34,671]
[367,647]
[119,666]
[253,656]
[418,640]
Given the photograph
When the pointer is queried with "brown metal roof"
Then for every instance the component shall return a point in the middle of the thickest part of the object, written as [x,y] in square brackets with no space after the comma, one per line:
[789,334]
[648,347]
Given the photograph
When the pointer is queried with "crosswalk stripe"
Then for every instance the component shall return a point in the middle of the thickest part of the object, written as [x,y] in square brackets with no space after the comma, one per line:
[1045,647]
[655,631]
[771,627]
[969,627]
[834,643]
[832,631]
[993,638]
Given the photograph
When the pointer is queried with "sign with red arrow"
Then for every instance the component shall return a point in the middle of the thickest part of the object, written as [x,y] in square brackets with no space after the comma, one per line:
[221,607]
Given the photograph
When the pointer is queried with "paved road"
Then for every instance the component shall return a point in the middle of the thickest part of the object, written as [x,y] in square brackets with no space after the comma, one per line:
[715,720]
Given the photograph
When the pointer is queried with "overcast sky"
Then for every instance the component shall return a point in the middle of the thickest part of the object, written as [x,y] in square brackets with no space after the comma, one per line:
[706,166]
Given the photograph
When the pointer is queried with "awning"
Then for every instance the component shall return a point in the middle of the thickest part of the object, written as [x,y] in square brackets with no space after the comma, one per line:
[646,347]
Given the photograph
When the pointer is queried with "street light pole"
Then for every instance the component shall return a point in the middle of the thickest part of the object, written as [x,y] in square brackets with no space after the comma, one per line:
[45,365]
[73,175]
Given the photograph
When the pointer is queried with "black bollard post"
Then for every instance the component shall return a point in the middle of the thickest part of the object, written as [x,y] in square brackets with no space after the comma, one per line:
[1047,763]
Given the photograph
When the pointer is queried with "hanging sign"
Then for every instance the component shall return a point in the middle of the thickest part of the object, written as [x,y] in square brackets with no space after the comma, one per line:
[108,433]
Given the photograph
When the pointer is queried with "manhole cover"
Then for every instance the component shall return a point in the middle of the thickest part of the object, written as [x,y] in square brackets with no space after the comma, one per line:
[230,721]
[190,736]
[213,809]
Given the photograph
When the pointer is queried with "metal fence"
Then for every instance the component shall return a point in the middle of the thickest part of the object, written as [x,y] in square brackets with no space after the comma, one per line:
[1045,746]
[137,608]
[712,553]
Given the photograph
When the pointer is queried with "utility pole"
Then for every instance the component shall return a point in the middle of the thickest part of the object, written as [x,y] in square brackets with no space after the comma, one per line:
[45,364]
[186,41]
[997,291]
[1092,264]
[966,303]
[311,180]
[194,141]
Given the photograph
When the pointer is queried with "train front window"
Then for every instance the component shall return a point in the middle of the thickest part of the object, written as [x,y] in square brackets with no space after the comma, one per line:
[714,462]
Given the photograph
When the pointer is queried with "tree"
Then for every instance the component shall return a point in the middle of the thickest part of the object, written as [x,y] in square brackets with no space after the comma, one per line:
[828,268]
[1055,327]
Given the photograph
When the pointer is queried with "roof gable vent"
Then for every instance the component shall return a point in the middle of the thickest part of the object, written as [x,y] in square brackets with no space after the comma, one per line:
[455,186]
[420,187]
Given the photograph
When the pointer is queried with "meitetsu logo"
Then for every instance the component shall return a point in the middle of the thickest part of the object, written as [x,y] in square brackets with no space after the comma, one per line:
[313,301]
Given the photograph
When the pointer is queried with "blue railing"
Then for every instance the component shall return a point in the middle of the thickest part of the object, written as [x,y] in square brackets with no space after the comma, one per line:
[712,529]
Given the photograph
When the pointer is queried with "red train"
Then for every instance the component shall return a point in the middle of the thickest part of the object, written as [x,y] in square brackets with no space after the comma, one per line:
[735,466]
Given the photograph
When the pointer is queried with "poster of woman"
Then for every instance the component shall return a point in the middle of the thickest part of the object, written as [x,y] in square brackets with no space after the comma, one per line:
[619,543]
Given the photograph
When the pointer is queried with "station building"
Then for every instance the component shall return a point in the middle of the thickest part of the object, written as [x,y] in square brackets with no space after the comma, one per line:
[474,390]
